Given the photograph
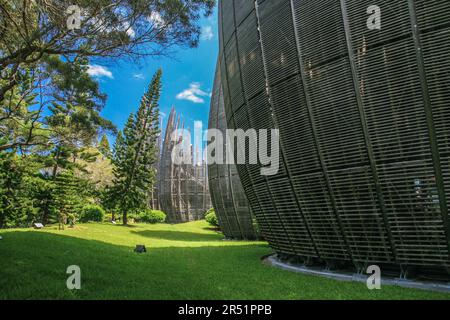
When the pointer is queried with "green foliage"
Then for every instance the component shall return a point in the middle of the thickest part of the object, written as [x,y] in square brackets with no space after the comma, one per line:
[92,213]
[74,116]
[19,118]
[209,211]
[96,169]
[29,192]
[34,37]
[71,219]
[70,115]
[46,28]
[211,218]
[16,197]
[104,148]
[132,218]
[50,107]
[152,216]
[135,153]
[66,196]
[257,229]
[46,179]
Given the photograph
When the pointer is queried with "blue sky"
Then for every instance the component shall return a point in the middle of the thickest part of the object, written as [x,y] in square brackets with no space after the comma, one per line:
[187,80]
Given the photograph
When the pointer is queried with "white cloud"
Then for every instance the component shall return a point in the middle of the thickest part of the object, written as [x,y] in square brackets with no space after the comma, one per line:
[193,94]
[156,19]
[139,76]
[99,71]
[128,29]
[102,26]
[207,33]
[131,32]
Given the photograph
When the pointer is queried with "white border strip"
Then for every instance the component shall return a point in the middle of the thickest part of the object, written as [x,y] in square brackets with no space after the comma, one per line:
[430,286]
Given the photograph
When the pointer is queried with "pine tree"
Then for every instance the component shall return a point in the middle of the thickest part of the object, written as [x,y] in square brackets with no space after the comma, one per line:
[104,148]
[135,153]
[66,197]
[16,203]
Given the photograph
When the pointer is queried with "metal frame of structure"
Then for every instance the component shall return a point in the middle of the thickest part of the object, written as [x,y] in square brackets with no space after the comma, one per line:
[227,195]
[364,126]
[182,189]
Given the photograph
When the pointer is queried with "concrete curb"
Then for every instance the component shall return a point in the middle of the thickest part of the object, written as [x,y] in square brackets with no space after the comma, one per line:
[273,261]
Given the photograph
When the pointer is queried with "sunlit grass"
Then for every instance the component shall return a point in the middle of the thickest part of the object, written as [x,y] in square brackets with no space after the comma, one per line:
[188,261]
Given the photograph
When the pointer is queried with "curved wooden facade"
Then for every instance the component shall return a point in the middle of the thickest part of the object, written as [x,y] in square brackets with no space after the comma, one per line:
[227,195]
[364,126]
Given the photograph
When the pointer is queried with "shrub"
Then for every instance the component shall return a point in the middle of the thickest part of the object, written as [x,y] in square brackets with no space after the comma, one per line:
[107,217]
[92,213]
[71,219]
[132,218]
[152,216]
[211,218]
[258,233]
[208,212]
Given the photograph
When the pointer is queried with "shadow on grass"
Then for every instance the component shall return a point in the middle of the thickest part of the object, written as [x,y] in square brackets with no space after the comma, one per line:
[131,226]
[216,229]
[179,235]
[33,266]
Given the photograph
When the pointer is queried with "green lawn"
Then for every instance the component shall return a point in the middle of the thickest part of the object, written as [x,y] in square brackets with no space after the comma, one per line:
[187,261]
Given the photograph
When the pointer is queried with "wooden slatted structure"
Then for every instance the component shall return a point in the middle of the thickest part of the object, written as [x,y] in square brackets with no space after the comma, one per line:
[182,189]
[227,195]
[364,126]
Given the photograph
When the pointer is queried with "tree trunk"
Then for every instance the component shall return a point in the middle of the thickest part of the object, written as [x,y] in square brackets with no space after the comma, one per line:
[55,166]
[46,209]
[125,219]
[46,212]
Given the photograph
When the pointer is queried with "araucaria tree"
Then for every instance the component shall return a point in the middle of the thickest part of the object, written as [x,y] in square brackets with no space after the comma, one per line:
[34,34]
[135,153]
[50,104]
[103,147]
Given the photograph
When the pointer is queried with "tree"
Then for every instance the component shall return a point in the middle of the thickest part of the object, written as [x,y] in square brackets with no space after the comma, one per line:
[34,35]
[29,30]
[20,116]
[16,202]
[55,103]
[95,168]
[135,153]
[67,202]
[49,105]
[104,148]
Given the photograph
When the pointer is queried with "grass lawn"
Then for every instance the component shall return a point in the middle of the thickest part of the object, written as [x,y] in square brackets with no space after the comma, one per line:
[187,261]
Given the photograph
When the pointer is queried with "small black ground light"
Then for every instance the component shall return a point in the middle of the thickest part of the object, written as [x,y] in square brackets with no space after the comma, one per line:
[140,248]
